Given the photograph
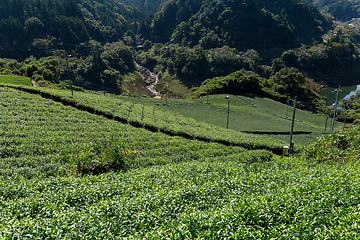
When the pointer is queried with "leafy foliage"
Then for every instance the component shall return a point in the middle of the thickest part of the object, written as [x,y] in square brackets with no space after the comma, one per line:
[171,13]
[109,63]
[343,9]
[251,24]
[350,109]
[47,69]
[62,23]
[103,157]
[285,84]
[336,58]
[193,66]
[147,6]
[339,146]
[211,199]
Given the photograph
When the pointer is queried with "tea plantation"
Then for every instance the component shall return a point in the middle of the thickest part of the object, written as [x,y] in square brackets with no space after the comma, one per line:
[85,166]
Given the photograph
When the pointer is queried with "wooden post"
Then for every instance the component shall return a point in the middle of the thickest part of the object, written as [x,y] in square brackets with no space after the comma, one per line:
[291,145]
[337,94]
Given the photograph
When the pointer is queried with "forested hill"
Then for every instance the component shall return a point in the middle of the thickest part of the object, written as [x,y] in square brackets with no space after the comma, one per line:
[33,27]
[242,24]
[61,24]
[184,42]
[342,10]
[146,6]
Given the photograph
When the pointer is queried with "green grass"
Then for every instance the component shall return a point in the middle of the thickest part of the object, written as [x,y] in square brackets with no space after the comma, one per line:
[17,80]
[339,146]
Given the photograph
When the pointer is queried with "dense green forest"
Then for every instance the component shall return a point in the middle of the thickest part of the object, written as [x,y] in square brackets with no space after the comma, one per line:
[38,27]
[343,10]
[94,44]
[252,24]
[147,6]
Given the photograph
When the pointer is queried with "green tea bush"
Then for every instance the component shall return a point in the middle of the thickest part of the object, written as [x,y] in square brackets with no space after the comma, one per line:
[104,157]
[155,119]
[280,199]
[41,138]
[339,146]
[174,187]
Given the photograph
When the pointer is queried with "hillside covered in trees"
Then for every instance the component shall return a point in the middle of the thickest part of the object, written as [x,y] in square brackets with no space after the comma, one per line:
[38,27]
[146,6]
[342,10]
[245,24]
[184,42]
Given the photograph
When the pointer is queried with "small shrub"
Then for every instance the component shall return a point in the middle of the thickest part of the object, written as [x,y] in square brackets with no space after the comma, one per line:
[104,157]
[339,146]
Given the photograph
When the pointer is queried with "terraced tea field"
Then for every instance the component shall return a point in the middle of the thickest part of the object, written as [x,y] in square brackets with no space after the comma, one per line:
[152,117]
[43,137]
[182,179]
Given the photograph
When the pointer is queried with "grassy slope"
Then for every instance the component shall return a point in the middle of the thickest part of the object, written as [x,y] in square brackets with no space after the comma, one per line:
[17,80]
[195,190]
[247,113]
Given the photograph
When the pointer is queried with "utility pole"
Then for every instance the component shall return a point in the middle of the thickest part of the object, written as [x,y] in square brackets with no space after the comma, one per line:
[327,116]
[227,122]
[292,127]
[337,94]
[103,83]
[67,64]
[326,121]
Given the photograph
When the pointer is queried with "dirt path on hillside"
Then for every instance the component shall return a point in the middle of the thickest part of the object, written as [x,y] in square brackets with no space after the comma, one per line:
[150,78]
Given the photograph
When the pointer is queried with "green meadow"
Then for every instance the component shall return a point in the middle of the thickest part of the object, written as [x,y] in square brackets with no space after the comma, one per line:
[88,166]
